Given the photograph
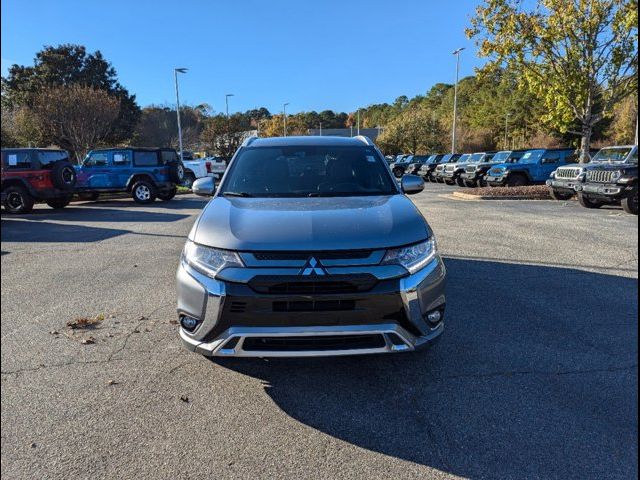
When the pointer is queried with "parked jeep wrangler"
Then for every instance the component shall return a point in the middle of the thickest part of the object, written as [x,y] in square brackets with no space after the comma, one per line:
[399,167]
[452,173]
[416,162]
[612,182]
[451,162]
[428,169]
[534,168]
[31,175]
[145,173]
[475,172]
[563,182]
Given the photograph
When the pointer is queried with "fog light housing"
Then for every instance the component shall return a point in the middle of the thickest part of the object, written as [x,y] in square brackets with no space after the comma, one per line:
[189,323]
[434,317]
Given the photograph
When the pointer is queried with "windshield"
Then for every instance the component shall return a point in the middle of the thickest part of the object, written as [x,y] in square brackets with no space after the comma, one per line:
[476,158]
[532,156]
[614,155]
[308,171]
[464,158]
[501,157]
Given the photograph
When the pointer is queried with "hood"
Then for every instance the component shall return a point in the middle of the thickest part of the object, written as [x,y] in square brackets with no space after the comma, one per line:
[309,224]
[608,167]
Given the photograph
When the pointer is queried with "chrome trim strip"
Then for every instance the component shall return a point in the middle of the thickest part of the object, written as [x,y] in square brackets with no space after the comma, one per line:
[216,347]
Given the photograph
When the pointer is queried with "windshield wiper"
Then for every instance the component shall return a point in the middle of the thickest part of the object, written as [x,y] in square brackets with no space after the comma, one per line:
[236,194]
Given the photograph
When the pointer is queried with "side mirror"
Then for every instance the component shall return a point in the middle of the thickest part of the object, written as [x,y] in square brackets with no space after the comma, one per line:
[411,184]
[204,187]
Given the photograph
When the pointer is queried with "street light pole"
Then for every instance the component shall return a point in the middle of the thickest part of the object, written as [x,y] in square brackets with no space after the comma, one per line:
[358,115]
[176,71]
[284,118]
[226,102]
[455,100]
[506,131]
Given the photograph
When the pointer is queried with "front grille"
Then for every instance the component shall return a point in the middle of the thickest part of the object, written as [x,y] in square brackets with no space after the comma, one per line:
[312,285]
[338,255]
[471,169]
[601,176]
[449,168]
[439,168]
[319,343]
[315,306]
[568,172]
[495,172]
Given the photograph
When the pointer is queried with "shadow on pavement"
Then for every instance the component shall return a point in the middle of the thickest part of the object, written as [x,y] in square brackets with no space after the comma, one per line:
[92,214]
[535,376]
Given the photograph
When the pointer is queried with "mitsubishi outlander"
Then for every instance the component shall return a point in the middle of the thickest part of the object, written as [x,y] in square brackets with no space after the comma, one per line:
[309,247]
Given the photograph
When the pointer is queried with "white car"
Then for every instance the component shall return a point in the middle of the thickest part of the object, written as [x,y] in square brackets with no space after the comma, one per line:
[202,167]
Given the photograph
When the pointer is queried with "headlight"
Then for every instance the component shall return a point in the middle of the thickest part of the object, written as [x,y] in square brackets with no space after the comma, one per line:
[553,174]
[209,261]
[615,176]
[412,258]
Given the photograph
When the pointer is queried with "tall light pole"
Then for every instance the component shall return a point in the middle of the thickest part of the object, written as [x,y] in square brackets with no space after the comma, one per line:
[176,71]
[455,99]
[358,116]
[284,118]
[226,103]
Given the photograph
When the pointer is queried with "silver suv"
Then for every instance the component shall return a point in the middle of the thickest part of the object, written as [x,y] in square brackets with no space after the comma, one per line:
[309,247]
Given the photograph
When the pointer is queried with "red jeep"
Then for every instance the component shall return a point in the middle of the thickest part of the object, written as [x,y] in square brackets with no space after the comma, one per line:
[31,175]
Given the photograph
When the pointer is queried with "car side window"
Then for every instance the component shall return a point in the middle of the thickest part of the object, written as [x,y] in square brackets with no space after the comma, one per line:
[571,157]
[550,158]
[145,159]
[634,157]
[17,160]
[122,158]
[96,159]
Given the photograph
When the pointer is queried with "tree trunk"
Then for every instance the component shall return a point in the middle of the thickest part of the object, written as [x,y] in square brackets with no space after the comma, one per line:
[585,143]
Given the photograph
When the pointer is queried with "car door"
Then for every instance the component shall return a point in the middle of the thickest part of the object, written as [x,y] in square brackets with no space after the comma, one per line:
[95,172]
[549,162]
[121,168]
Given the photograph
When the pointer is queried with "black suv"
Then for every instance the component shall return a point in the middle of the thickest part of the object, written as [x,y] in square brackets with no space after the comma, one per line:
[416,163]
[612,182]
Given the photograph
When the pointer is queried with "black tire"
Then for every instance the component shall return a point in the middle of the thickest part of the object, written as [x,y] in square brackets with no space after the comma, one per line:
[397,172]
[586,202]
[517,180]
[450,182]
[482,183]
[58,203]
[630,203]
[17,200]
[167,194]
[144,192]
[189,178]
[460,182]
[176,172]
[470,183]
[63,175]
[439,180]
[557,195]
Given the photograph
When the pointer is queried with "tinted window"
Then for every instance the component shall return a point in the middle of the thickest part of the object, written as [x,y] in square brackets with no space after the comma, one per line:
[47,159]
[308,171]
[145,159]
[16,160]
[96,159]
[170,156]
[122,158]
[634,157]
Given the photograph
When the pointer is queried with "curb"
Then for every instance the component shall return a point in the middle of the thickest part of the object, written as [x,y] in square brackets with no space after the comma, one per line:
[466,196]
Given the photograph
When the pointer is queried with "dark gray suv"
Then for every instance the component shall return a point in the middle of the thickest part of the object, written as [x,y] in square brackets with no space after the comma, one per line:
[309,247]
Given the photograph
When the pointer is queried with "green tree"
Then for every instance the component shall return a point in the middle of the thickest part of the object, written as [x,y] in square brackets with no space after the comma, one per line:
[67,65]
[417,130]
[580,57]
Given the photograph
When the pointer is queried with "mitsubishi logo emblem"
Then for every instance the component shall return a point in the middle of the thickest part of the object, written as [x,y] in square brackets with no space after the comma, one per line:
[312,267]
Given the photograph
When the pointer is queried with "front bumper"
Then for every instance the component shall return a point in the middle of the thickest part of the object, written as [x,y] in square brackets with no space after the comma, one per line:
[496,181]
[235,320]
[564,184]
[606,191]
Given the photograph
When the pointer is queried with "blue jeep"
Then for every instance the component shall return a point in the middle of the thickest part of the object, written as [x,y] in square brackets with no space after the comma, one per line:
[145,173]
[534,168]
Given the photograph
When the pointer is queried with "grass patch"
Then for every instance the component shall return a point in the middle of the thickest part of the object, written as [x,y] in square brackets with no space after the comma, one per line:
[534,192]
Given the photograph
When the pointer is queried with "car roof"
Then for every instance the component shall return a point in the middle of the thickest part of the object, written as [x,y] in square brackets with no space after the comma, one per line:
[28,149]
[145,149]
[314,141]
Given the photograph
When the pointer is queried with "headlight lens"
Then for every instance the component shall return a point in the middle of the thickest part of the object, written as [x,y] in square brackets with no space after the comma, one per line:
[615,176]
[209,261]
[412,258]
[553,174]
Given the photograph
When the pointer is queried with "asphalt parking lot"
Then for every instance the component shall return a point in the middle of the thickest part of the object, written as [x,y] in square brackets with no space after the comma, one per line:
[536,375]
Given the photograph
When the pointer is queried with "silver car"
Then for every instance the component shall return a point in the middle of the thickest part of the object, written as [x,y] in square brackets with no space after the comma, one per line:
[309,247]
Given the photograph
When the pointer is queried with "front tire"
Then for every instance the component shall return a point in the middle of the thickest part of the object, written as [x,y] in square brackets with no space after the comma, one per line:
[586,202]
[58,203]
[397,173]
[460,182]
[517,181]
[143,192]
[630,203]
[450,182]
[189,178]
[17,200]
[558,195]
[470,183]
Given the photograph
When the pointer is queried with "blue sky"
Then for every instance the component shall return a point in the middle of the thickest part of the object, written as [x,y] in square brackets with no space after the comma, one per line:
[315,55]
